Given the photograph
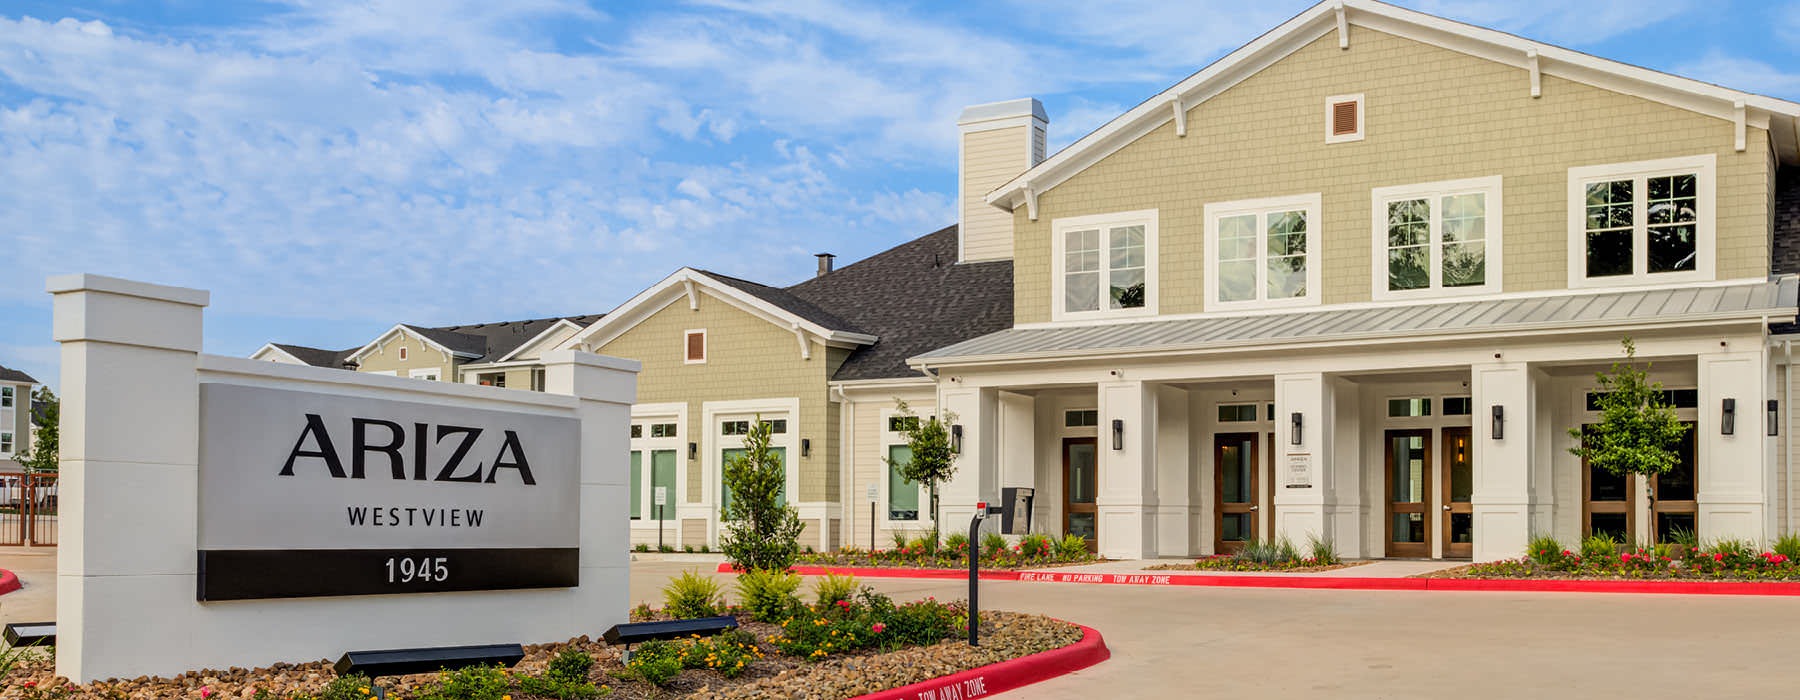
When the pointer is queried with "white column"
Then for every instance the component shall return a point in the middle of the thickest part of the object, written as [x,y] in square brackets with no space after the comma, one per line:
[1501,500]
[1174,470]
[1127,489]
[1731,488]
[1304,474]
[1018,437]
[130,471]
[977,410]
[1344,508]
[607,387]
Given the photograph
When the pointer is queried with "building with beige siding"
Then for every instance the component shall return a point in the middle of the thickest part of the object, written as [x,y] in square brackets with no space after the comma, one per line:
[15,417]
[1354,281]
[503,354]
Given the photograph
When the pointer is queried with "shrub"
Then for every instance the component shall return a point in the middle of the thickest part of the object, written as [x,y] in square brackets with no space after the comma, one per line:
[1600,546]
[1072,547]
[1788,545]
[922,623]
[656,662]
[1036,546]
[761,532]
[1322,550]
[957,544]
[1276,551]
[900,539]
[729,653]
[666,549]
[926,543]
[769,595]
[1732,552]
[1544,550]
[355,686]
[642,613]
[993,545]
[565,679]
[472,683]
[705,549]
[687,549]
[1688,539]
[832,588]
[692,595]
[641,547]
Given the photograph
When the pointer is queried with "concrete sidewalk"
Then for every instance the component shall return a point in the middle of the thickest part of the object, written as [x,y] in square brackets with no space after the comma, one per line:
[1374,568]
[36,601]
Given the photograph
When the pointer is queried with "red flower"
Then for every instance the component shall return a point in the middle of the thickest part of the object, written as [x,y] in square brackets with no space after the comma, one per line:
[1718,556]
[31,684]
[844,604]
[878,628]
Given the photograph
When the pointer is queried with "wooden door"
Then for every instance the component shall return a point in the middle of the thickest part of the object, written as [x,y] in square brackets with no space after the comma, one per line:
[1235,492]
[1608,503]
[1458,484]
[1081,481]
[1408,467]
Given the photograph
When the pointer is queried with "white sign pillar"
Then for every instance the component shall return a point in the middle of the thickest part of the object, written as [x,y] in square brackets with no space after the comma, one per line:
[1127,496]
[1731,480]
[1304,485]
[130,471]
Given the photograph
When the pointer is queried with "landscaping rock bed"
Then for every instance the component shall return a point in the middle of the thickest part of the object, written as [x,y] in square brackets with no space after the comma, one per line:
[1228,563]
[1004,636]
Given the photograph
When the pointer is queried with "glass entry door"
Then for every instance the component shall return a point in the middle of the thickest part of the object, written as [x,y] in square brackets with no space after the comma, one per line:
[1081,481]
[1234,491]
[1459,484]
[1408,481]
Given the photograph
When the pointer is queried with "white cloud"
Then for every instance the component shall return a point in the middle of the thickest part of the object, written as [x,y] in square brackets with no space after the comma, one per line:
[1744,74]
[1564,22]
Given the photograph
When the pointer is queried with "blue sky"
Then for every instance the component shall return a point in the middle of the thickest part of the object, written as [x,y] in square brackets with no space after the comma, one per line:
[328,169]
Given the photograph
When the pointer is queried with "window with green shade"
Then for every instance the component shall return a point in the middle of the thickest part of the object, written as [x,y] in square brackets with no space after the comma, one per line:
[1237,413]
[662,473]
[637,484]
[1409,408]
[1081,419]
[903,495]
[732,453]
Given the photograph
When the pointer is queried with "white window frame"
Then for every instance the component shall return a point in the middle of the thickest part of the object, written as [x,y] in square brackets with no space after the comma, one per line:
[1309,203]
[8,450]
[402,353]
[713,445]
[429,374]
[1491,187]
[705,350]
[647,415]
[1147,218]
[889,439]
[1705,169]
[8,396]
[1361,114]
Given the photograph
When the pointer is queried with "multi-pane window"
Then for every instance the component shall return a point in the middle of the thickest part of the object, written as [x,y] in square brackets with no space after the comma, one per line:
[1457,406]
[742,427]
[7,396]
[1237,412]
[6,443]
[1260,252]
[1106,263]
[902,424]
[1081,418]
[1439,236]
[1641,221]
[663,430]
[537,380]
[1409,408]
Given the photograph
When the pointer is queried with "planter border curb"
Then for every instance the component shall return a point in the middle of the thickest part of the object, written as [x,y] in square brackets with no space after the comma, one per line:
[1347,583]
[1006,675]
[9,582]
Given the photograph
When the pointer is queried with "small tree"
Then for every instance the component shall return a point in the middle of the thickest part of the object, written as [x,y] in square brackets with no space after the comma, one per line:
[932,461]
[1638,431]
[41,454]
[761,532]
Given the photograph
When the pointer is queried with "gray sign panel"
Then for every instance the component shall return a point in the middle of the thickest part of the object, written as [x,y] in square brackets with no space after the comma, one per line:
[294,470]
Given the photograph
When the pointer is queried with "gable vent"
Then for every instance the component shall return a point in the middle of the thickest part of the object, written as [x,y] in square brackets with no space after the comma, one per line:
[1343,118]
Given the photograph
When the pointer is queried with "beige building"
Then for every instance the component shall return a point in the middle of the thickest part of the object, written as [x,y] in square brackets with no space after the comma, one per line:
[15,417]
[504,354]
[1353,282]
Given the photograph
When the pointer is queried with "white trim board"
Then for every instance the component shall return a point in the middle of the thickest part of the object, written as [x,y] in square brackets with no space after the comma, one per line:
[688,283]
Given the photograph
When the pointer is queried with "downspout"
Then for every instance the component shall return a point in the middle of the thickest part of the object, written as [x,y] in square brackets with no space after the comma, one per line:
[846,470]
[1787,404]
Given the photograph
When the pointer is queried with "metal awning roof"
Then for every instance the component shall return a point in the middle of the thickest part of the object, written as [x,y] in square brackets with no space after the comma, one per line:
[1775,299]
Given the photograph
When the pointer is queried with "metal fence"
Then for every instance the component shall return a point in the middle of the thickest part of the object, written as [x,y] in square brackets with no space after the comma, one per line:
[28,507]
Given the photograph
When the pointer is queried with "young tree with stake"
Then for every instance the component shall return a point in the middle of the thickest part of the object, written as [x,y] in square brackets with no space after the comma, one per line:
[1638,431]
[932,461]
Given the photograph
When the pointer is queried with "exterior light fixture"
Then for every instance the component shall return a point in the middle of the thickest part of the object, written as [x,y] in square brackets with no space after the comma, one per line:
[1294,428]
[1498,429]
[1774,418]
[1118,431]
[805,447]
[1728,418]
[956,439]
[693,451]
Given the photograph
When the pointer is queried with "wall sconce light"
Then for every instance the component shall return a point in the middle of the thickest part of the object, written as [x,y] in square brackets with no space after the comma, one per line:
[1498,429]
[805,447]
[1774,418]
[1728,418]
[1118,430]
[956,439]
[1294,431]
[693,451]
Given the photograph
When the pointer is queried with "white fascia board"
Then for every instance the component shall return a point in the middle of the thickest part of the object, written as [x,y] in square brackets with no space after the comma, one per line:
[554,327]
[400,328]
[675,287]
[1685,93]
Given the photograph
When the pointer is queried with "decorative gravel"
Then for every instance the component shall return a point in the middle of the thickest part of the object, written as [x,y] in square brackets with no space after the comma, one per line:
[1004,636]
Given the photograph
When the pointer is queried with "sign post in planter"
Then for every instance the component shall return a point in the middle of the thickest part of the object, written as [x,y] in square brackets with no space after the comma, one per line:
[982,510]
[662,499]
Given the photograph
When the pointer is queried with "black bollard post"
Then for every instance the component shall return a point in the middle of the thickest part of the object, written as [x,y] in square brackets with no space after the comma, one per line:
[975,574]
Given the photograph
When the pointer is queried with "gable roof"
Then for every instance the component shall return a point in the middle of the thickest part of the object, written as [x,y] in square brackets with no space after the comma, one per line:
[1780,117]
[772,304]
[317,357]
[13,375]
[492,342]
[787,300]
[915,297]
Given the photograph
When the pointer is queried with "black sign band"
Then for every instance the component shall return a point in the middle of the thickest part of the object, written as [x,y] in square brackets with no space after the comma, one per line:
[248,574]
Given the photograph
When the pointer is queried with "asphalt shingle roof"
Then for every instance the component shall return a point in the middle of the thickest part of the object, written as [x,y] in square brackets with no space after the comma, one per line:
[318,357]
[13,375]
[915,298]
[495,340]
[786,299]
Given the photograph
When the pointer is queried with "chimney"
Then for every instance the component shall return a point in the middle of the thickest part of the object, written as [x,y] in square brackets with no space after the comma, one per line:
[998,141]
[824,263]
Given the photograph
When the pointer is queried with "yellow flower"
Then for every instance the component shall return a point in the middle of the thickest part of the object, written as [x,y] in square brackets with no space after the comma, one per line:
[365,691]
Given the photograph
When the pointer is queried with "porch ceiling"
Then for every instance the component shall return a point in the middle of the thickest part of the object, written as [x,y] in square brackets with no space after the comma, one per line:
[1775,299]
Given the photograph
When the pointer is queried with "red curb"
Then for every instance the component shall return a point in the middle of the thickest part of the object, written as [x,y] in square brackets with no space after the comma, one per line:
[1006,675]
[1344,583]
[8,582]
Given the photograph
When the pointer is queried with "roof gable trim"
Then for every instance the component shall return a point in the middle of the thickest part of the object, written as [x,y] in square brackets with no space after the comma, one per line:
[689,283]
[381,341]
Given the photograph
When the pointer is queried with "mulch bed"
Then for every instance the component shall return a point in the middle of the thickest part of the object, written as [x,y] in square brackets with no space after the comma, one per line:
[1465,572]
[940,564]
[1005,636]
[1252,568]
